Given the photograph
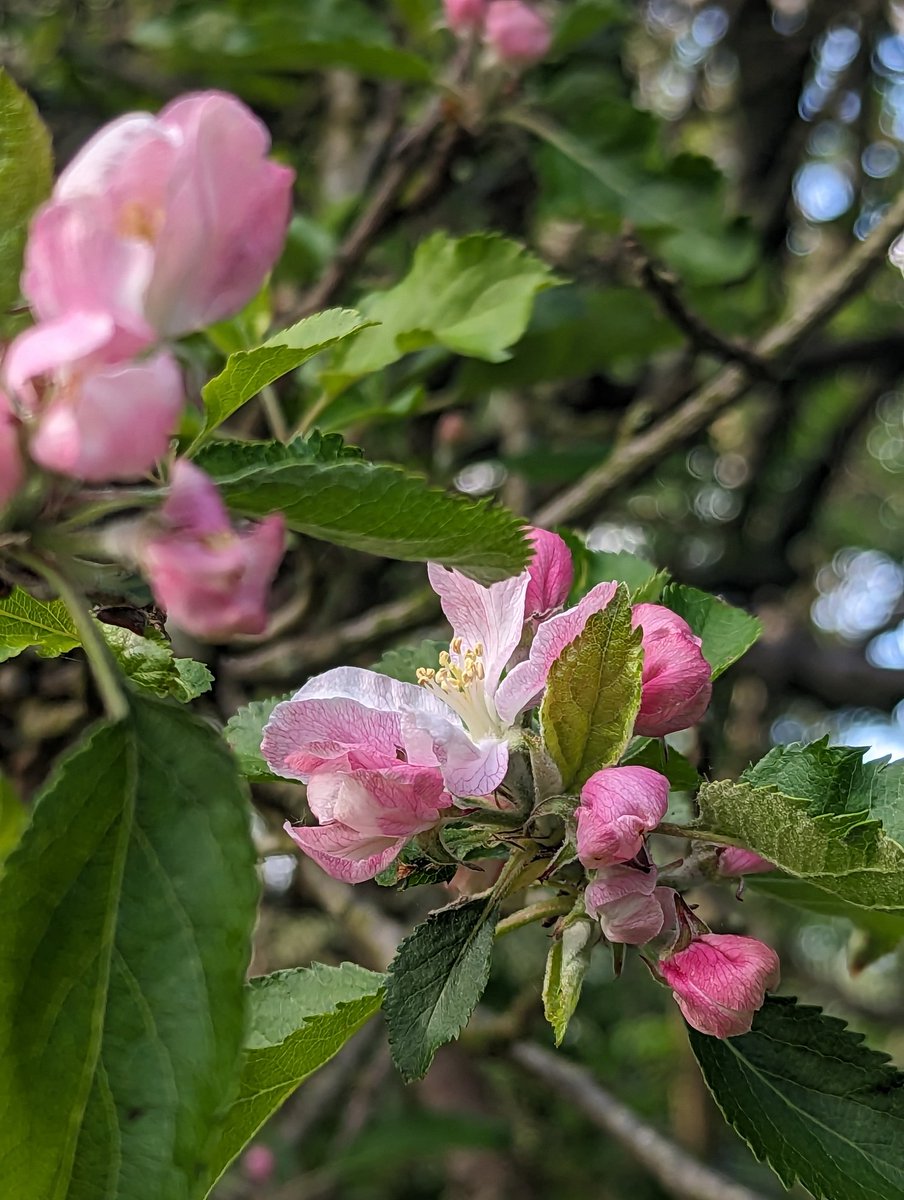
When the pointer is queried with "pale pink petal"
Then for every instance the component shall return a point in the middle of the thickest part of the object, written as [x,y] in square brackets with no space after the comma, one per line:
[492,617]
[395,801]
[194,503]
[100,164]
[518,34]
[303,735]
[48,347]
[734,861]
[344,853]
[551,573]
[720,980]
[468,768]
[524,684]
[12,470]
[372,688]
[676,677]
[619,805]
[622,899]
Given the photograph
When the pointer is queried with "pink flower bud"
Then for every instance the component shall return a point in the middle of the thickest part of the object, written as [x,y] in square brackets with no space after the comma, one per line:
[519,35]
[168,223]
[551,572]
[11,468]
[720,980]
[735,861]
[258,1163]
[622,899]
[676,676]
[464,16]
[618,806]
[212,580]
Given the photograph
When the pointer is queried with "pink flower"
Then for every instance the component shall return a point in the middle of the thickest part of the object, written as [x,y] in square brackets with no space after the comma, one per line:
[459,720]
[676,676]
[212,580]
[623,899]
[734,861]
[618,806]
[366,815]
[258,1163]
[93,419]
[720,980]
[517,33]
[551,574]
[464,16]
[12,470]
[167,223]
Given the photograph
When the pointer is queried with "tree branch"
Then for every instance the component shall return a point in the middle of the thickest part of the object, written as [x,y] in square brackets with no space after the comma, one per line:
[674,1169]
[729,384]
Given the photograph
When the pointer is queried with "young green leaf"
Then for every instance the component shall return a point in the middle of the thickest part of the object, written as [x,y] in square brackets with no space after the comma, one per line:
[727,633]
[152,666]
[26,176]
[298,1020]
[368,506]
[127,907]
[593,694]
[244,731]
[435,981]
[644,581]
[566,965]
[44,624]
[812,1100]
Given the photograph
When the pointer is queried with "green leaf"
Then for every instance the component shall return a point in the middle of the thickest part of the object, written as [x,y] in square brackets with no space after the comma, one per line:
[244,732]
[248,372]
[471,295]
[26,177]
[367,506]
[298,1020]
[152,666]
[811,1100]
[403,662]
[566,965]
[649,752]
[644,581]
[45,624]
[127,908]
[13,818]
[435,980]
[846,854]
[593,694]
[413,868]
[726,632]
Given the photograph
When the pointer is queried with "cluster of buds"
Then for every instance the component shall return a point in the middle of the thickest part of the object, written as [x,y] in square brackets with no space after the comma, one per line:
[159,227]
[517,34]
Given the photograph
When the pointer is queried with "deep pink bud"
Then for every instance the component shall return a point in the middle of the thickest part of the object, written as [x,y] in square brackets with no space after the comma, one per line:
[618,806]
[258,1163]
[551,573]
[519,35]
[464,16]
[622,899]
[11,468]
[676,676]
[720,980]
[212,580]
[735,861]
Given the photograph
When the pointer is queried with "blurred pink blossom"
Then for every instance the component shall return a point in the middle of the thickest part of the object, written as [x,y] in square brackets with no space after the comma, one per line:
[517,33]
[11,467]
[464,16]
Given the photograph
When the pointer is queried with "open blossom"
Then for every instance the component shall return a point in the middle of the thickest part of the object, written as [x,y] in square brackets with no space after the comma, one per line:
[734,861]
[464,16]
[676,676]
[517,33]
[624,901]
[619,805]
[167,223]
[11,469]
[551,573]
[720,980]
[213,580]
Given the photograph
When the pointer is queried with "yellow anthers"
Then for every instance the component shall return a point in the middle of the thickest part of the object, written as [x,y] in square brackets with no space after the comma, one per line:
[454,646]
[425,676]
[454,675]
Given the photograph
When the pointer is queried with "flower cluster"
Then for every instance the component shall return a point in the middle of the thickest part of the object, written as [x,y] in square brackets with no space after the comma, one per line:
[385,761]
[157,228]
[516,34]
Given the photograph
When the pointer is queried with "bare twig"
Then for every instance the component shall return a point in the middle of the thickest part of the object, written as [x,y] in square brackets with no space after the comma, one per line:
[674,1169]
[732,382]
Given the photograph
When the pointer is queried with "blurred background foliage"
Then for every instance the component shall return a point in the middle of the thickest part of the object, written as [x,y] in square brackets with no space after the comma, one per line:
[727,154]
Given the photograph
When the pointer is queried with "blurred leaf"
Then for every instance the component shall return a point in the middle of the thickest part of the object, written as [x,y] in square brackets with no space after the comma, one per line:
[44,624]
[435,981]
[244,731]
[643,580]
[811,1100]
[152,666]
[566,965]
[472,295]
[649,752]
[13,818]
[367,506]
[581,19]
[245,330]
[389,1143]
[403,662]
[727,633]
[127,910]
[26,177]
[593,694]
[298,1020]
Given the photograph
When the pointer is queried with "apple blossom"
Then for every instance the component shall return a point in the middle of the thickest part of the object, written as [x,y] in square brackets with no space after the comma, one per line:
[212,579]
[464,16]
[11,468]
[720,980]
[517,33]
[676,677]
[622,899]
[619,805]
[551,574]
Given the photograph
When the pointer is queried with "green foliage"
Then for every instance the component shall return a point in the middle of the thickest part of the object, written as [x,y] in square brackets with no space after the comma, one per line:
[244,731]
[643,580]
[593,694]
[44,624]
[127,908]
[297,1021]
[248,372]
[152,666]
[808,1097]
[367,506]
[403,661]
[726,632]
[13,818]
[651,752]
[566,965]
[26,176]
[435,981]
[472,296]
